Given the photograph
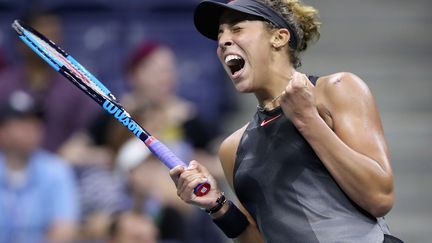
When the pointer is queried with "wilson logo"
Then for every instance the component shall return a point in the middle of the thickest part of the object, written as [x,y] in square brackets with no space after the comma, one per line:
[123,117]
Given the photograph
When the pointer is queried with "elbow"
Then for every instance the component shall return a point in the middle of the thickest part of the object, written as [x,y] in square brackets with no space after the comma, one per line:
[381,205]
[382,200]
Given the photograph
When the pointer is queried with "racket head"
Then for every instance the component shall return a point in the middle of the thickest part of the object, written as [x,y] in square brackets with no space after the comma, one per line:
[70,68]
[62,62]
[66,65]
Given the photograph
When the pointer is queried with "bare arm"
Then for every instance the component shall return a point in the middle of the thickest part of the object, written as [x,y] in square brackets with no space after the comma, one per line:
[186,179]
[353,149]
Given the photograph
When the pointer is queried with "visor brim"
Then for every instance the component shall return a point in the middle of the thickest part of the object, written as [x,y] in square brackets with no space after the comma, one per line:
[207,17]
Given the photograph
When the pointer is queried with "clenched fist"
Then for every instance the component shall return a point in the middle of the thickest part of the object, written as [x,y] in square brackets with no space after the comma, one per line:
[298,101]
[187,178]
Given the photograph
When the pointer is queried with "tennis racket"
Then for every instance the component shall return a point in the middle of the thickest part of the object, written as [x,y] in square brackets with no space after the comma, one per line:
[67,66]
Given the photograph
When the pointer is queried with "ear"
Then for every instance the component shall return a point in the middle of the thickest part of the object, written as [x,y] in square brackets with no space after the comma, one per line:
[280,38]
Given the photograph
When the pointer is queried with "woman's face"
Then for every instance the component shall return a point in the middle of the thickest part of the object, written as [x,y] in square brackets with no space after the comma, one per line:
[244,50]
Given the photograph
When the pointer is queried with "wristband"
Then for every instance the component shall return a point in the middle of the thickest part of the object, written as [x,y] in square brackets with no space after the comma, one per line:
[220,202]
[233,222]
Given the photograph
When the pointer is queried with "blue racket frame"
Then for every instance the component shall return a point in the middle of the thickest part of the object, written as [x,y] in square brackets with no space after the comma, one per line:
[100,93]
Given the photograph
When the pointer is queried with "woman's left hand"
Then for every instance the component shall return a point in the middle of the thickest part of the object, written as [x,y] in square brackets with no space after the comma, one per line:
[298,100]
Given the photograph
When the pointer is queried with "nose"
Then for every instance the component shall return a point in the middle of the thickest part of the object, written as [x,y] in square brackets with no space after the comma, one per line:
[224,41]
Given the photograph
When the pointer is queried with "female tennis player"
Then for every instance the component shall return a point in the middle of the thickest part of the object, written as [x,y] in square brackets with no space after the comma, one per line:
[312,165]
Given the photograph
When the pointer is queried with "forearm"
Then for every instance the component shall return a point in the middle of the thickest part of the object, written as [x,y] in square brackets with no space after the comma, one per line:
[251,233]
[231,220]
[362,178]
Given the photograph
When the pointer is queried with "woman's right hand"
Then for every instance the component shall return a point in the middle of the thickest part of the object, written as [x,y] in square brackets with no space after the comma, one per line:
[187,178]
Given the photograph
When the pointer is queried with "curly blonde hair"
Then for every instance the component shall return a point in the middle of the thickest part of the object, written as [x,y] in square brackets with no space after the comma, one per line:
[303,19]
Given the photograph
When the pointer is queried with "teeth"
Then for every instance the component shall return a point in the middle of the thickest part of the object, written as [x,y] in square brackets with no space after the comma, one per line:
[232,57]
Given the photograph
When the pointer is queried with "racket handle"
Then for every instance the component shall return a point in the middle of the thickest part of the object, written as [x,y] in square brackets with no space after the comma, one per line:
[171,160]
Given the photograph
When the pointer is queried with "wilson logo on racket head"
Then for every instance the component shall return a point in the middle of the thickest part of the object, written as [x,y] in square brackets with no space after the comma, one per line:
[123,117]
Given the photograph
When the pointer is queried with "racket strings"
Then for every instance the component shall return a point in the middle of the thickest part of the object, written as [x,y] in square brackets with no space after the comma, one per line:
[53,55]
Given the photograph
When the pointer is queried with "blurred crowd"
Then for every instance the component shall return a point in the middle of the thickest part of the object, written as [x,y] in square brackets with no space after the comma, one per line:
[71,173]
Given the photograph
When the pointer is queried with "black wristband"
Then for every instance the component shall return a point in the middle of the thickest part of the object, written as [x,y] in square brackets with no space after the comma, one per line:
[233,222]
[220,202]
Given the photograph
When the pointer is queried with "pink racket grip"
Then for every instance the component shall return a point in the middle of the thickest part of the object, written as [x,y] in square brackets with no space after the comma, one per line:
[171,160]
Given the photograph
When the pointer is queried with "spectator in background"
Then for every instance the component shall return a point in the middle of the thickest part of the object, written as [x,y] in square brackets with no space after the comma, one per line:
[150,194]
[153,103]
[66,108]
[101,189]
[38,201]
[107,145]
[130,227]
[152,78]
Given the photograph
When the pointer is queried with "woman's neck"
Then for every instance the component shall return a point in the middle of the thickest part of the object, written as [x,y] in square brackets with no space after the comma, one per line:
[268,97]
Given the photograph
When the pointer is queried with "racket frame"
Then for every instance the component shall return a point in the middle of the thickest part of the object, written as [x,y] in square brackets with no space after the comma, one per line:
[99,93]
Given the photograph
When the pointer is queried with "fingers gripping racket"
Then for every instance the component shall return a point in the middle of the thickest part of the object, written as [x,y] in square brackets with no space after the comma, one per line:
[67,66]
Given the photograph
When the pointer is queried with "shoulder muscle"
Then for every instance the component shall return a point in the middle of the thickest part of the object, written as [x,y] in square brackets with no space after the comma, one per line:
[355,117]
[345,91]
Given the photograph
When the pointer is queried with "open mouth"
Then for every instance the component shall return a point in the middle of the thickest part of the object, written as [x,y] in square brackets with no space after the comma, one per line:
[235,63]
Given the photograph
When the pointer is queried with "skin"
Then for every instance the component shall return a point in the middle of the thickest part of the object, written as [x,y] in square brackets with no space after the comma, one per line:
[19,137]
[338,118]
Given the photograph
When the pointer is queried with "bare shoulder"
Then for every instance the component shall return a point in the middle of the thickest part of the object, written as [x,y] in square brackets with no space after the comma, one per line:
[228,150]
[342,89]
[341,83]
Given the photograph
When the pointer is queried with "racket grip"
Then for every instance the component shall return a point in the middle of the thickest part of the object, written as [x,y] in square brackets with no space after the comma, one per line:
[171,160]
